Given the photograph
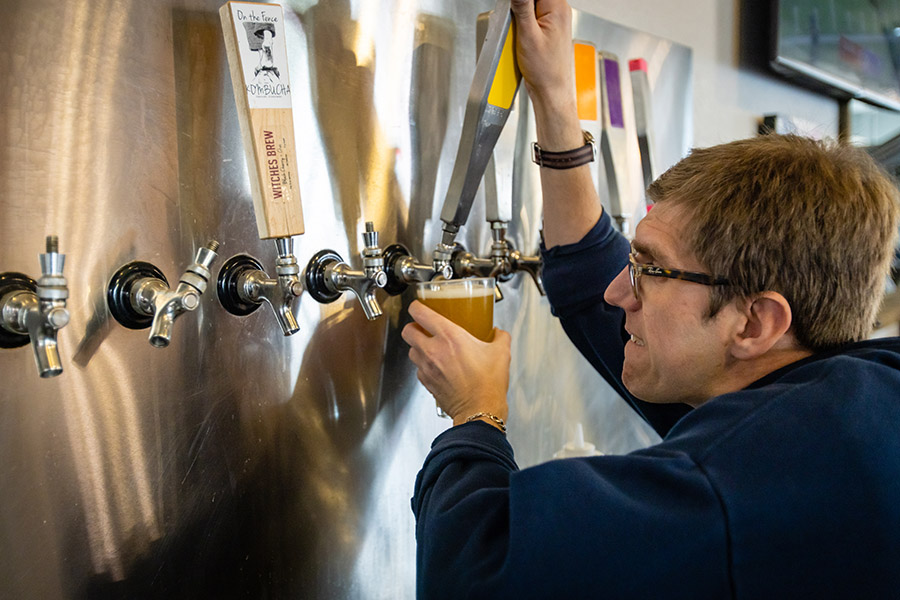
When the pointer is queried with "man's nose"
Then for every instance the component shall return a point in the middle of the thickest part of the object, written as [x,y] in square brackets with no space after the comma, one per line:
[619,292]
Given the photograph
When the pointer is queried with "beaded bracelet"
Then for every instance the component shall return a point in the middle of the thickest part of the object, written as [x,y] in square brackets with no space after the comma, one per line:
[493,418]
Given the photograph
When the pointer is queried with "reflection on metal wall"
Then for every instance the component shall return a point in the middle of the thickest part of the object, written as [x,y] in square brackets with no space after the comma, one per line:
[237,461]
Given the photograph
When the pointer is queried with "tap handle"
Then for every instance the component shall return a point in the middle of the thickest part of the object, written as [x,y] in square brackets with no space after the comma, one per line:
[267,125]
[613,140]
[643,119]
[494,86]
[494,206]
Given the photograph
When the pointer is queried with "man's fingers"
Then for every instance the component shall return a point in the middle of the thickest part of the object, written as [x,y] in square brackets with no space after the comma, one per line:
[422,359]
[545,7]
[523,11]
[413,334]
[426,371]
[417,357]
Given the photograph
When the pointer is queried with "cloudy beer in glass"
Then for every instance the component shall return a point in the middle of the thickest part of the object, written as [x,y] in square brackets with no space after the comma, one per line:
[467,302]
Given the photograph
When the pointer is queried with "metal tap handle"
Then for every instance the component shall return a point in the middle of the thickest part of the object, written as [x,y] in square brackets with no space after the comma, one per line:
[613,141]
[491,95]
[495,208]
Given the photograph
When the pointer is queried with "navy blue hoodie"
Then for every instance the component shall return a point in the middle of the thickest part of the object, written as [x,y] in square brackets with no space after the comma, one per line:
[789,488]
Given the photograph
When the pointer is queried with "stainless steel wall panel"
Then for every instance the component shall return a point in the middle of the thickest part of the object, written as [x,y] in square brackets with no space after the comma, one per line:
[238,462]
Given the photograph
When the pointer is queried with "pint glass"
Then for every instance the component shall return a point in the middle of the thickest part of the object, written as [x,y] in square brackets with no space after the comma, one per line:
[467,302]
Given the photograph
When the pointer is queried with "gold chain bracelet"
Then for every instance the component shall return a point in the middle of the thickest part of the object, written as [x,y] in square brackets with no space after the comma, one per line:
[493,418]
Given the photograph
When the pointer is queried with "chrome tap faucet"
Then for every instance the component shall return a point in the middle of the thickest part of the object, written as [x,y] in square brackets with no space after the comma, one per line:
[466,264]
[505,261]
[243,285]
[36,312]
[533,265]
[442,255]
[139,295]
[327,275]
[402,269]
[169,305]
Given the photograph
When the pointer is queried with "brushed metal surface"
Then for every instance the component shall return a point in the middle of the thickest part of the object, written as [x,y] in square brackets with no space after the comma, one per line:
[237,462]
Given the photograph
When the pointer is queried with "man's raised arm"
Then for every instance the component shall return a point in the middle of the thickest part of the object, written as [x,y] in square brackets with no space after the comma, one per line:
[545,57]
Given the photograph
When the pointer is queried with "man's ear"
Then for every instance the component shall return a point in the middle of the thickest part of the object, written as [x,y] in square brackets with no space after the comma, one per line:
[768,319]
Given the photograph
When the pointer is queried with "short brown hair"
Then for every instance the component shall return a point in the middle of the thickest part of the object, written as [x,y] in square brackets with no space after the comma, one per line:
[814,221]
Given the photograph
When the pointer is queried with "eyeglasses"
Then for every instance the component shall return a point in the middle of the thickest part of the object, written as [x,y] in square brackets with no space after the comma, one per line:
[636,269]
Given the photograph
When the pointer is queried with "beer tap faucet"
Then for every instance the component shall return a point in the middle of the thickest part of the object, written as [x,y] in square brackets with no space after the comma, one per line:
[328,276]
[466,264]
[36,312]
[243,285]
[505,261]
[533,265]
[139,297]
[443,251]
[403,268]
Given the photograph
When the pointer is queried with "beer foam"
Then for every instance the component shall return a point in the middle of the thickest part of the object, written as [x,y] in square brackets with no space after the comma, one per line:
[454,292]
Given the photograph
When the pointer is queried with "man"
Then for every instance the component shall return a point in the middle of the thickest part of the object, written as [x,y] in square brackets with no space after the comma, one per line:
[735,324]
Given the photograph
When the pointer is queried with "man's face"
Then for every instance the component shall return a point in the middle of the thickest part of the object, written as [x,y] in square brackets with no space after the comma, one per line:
[675,354]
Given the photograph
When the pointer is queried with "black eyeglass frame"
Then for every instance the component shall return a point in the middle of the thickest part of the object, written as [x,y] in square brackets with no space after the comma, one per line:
[636,269]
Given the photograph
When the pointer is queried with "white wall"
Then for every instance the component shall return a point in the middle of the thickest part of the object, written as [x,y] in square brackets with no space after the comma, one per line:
[728,101]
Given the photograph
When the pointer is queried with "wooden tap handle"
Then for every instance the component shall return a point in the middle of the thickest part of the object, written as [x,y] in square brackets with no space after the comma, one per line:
[257,59]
